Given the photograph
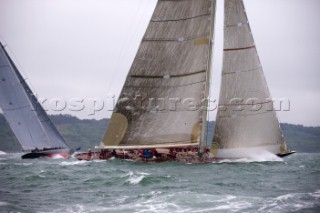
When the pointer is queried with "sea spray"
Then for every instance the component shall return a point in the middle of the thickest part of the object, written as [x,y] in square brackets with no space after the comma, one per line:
[247,155]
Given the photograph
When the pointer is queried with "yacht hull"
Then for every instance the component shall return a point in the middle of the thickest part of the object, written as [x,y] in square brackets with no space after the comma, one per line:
[52,153]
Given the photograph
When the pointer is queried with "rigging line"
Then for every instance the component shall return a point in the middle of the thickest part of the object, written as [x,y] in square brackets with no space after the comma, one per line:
[182,19]
[123,50]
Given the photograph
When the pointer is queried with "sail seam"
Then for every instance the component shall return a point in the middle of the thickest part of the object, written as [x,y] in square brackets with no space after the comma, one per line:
[228,73]
[170,76]
[237,25]
[163,110]
[174,39]
[182,19]
[241,48]
[226,105]
[228,116]
[4,66]
[13,109]
[181,85]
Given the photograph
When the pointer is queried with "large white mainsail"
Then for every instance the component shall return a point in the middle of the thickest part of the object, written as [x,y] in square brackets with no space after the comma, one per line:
[240,125]
[160,103]
[26,117]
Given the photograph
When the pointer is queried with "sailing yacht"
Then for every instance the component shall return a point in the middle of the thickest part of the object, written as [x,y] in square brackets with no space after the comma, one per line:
[162,107]
[26,117]
[245,122]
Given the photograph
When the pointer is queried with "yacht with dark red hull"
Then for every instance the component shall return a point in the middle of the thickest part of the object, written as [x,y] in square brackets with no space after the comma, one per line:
[162,111]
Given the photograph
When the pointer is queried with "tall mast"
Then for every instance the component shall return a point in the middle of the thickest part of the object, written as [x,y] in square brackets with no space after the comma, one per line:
[203,140]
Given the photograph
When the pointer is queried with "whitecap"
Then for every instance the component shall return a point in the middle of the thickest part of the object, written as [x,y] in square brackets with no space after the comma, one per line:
[23,164]
[234,206]
[289,203]
[143,173]
[315,195]
[135,179]
[2,153]
[99,161]
[285,197]
[3,203]
[71,163]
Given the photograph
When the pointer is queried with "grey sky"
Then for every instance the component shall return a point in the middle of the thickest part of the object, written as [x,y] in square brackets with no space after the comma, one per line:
[84,49]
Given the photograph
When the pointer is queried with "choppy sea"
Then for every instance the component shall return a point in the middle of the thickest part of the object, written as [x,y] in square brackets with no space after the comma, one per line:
[248,185]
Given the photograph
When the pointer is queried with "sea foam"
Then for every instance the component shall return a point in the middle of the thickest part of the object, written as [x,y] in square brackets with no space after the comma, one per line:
[66,163]
[250,155]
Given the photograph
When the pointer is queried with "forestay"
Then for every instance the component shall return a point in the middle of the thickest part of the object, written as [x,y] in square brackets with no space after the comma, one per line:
[166,88]
[26,117]
[245,117]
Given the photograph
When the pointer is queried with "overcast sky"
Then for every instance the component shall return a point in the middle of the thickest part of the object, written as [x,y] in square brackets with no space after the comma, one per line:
[84,48]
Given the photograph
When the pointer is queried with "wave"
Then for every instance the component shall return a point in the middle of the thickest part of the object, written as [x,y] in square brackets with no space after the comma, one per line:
[3,203]
[23,164]
[157,201]
[291,202]
[72,163]
[251,157]
[2,153]
[135,179]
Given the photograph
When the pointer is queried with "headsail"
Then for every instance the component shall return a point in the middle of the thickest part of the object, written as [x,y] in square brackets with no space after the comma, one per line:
[160,103]
[25,115]
[241,124]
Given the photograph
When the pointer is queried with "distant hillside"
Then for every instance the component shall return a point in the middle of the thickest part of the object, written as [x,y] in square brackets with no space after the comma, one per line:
[88,133]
